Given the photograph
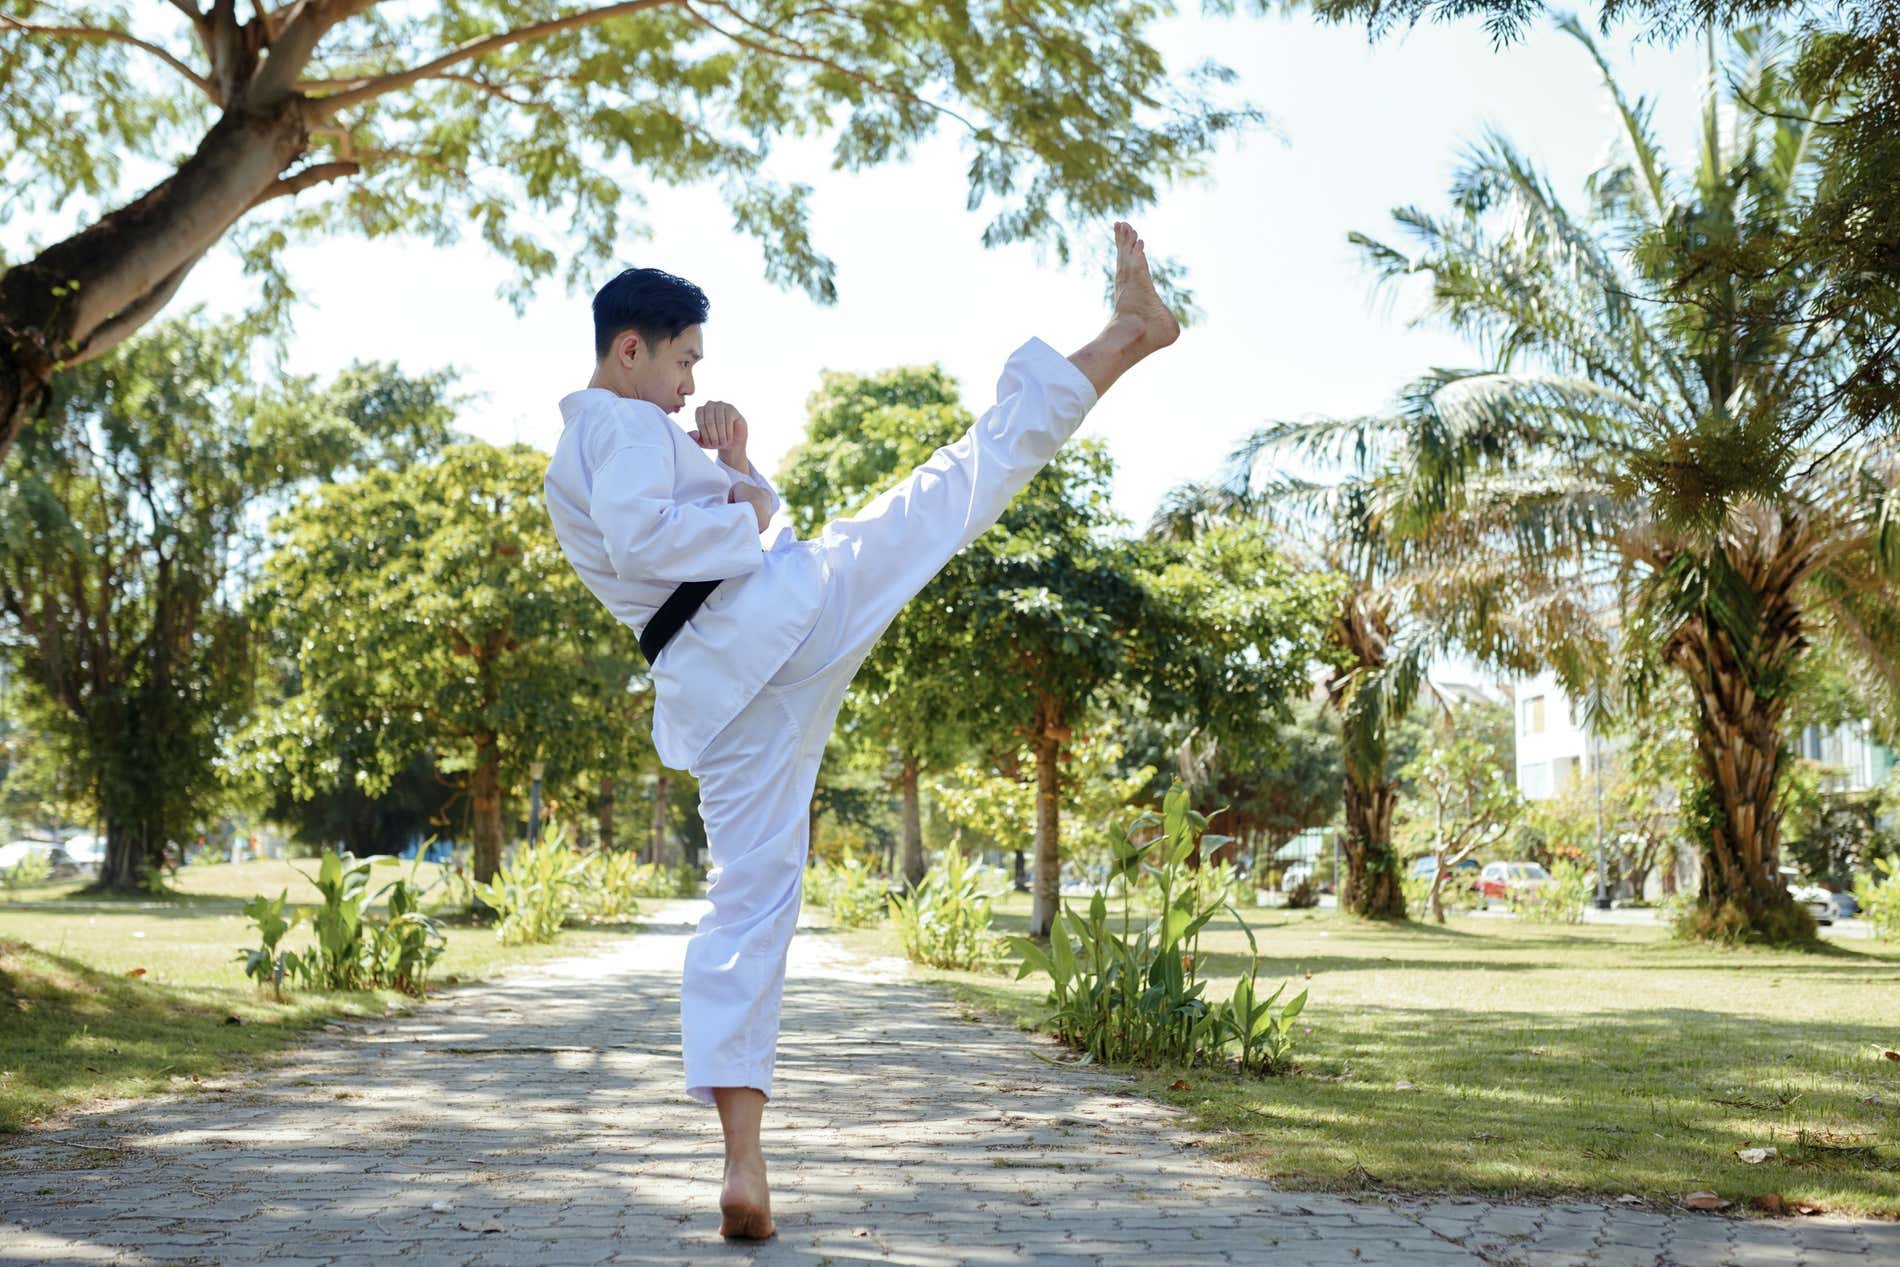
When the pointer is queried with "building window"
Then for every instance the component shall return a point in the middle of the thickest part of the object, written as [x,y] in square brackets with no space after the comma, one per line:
[1534,715]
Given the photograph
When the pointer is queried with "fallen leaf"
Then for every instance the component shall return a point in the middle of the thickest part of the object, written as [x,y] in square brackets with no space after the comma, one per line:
[234,1020]
[1704,1201]
[1481,1135]
[1405,1086]
[1891,1054]
[440,1207]
[452,979]
[1629,1198]
[860,1231]
[136,972]
[486,1225]
[1769,1203]
[1754,1156]
[1180,1084]
[1810,1209]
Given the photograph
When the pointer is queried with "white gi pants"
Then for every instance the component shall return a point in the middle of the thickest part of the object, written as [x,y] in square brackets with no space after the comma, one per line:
[757,776]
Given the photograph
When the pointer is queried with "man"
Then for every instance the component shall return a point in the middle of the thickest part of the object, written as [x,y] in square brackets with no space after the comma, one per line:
[753,642]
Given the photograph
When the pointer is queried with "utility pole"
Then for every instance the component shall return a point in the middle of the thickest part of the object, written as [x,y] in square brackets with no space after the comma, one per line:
[1596,762]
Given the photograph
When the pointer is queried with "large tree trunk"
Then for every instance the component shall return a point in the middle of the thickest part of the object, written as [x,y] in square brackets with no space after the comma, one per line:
[913,825]
[129,858]
[604,812]
[1371,887]
[78,299]
[1735,813]
[660,795]
[1047,744]
[485,795]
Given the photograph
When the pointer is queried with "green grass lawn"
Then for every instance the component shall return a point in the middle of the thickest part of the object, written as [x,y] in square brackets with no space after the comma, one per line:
[1502,1057]
[77,1026]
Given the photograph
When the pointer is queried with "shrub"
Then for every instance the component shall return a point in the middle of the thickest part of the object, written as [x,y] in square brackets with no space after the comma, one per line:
[1562,898]
[945,921]
[1138,999]
[611,883]
[1303,896]
[266,964]
[406,943]
[850,892]
[34,868]
[534,890]
[1879,896]
[354,949]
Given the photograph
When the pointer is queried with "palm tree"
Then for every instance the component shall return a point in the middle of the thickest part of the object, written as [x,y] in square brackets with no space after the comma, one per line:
[1655,467]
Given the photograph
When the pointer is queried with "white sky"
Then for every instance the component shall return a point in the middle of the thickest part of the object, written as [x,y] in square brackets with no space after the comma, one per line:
[1291,328]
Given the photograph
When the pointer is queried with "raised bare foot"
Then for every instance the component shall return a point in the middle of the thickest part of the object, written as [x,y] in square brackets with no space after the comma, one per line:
[1138,307]
[745,1203]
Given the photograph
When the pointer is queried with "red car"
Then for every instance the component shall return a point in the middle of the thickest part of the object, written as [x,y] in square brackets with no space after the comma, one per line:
[1509,881]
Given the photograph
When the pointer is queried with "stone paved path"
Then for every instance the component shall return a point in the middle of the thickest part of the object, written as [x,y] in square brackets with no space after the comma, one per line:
[539,1120]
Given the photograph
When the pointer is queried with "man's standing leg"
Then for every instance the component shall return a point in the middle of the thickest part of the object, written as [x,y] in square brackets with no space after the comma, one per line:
[759,844]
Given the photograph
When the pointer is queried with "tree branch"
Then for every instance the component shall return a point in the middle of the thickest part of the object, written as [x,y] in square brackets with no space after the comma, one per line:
[322,108]
[117,37]
[316,174]
[127,321]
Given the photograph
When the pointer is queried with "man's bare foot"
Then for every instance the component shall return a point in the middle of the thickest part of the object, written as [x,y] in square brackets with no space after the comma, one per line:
[1140,323]
[1138,307]
[745,1203]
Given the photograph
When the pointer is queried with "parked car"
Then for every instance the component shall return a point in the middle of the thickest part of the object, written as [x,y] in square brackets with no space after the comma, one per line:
[1819,901]
[86,850]
[1510,881]
[59,864]
[1424,865]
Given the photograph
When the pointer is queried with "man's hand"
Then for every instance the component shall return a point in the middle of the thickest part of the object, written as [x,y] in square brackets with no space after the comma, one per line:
[760,500]
[722,427]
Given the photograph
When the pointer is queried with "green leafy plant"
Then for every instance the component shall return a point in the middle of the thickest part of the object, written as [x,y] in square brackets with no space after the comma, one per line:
[852,893]
[405,944]
[1560,899]
[1879,898]
[266,964]
[534,890]
[945,920]
[1138,998]
[34,868]
[341,959]
[611,883]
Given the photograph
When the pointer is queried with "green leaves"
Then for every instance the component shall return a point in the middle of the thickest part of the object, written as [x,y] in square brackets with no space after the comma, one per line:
[1140,999]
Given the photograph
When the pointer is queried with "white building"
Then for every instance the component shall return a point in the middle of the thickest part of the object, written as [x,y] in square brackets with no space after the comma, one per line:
[1555,749]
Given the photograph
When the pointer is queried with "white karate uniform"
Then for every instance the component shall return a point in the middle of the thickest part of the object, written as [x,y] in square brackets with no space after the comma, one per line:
[747,691]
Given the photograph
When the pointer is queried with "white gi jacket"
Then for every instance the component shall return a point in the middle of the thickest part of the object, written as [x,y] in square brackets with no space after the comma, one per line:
[639,508]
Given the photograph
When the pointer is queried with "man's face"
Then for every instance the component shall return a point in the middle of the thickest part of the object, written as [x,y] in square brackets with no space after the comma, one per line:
[661,372]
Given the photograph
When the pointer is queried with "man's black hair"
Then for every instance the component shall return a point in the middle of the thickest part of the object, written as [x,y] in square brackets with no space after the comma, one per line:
[653,304]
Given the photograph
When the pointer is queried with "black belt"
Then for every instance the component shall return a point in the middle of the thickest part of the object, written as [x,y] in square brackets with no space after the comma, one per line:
[672,616]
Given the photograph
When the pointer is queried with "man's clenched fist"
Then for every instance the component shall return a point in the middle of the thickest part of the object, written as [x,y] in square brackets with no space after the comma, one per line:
[723,428]
[758,498]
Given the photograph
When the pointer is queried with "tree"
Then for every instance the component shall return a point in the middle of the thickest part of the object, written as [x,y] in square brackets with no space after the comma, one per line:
[425,118]
[1473,801]
[127,530]
[429,609]
[1659,466]
[863,433]
[1844,233]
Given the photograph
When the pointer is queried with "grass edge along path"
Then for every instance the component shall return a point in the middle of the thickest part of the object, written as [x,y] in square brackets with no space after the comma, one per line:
[122,998]
[1516,1061]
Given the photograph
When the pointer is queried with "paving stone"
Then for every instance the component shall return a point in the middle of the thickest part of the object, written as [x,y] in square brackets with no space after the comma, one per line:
[547,1104]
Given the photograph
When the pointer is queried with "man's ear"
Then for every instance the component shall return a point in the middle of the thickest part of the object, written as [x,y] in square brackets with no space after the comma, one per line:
[627,345]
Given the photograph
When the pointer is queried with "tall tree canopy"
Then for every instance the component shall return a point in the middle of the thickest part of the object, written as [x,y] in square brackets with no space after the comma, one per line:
[128,532]
[1663,473]
[292,120]
[1842,236]
[429,609]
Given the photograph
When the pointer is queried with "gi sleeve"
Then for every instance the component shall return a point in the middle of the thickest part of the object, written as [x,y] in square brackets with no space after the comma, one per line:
[649,536]
[751,476]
